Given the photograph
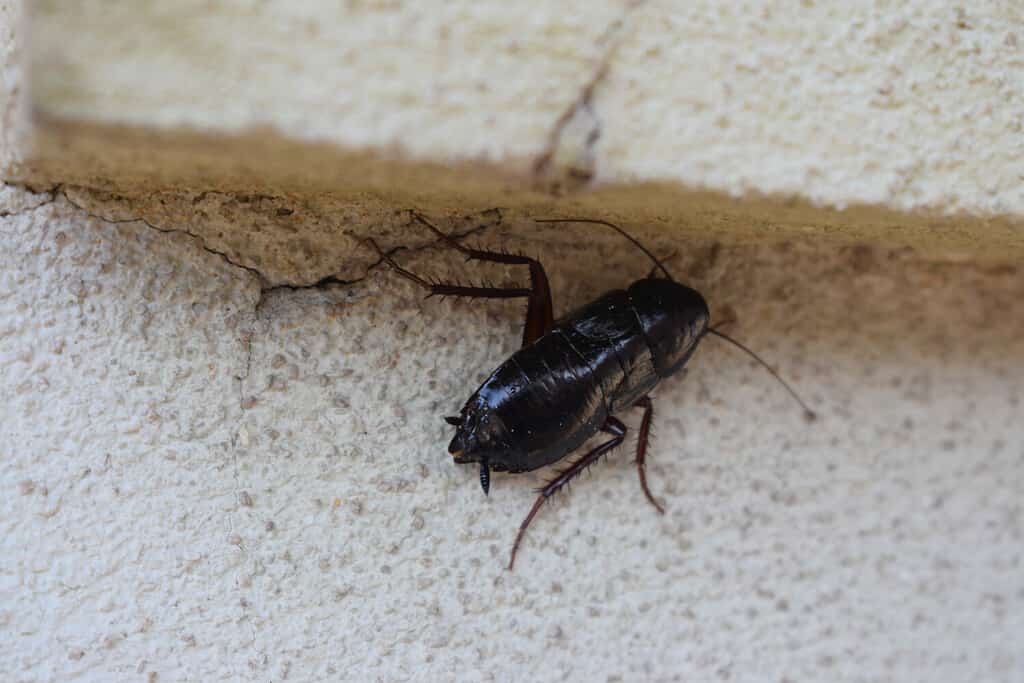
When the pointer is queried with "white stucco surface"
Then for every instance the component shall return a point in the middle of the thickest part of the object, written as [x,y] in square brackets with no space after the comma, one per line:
[201,482]
[911,104]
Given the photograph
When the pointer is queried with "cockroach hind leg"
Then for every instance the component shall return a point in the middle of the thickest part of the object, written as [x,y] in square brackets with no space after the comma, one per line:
[563,478]
[485,478]
[641,450]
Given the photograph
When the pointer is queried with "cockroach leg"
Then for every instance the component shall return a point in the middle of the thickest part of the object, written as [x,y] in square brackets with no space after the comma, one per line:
[444,289]
[641,448]
[540,311]
[612,426]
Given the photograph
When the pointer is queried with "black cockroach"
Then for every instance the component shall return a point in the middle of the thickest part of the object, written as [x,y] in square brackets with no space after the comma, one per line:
[572,375]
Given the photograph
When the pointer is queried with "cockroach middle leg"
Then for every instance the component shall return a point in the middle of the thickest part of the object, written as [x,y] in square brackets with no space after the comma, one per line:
[612,426]
[641,448]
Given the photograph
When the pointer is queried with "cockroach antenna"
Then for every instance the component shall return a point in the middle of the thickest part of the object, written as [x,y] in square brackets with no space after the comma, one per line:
[808,413]
[617,229]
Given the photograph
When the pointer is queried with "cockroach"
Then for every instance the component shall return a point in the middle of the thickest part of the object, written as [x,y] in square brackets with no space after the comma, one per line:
[571,376]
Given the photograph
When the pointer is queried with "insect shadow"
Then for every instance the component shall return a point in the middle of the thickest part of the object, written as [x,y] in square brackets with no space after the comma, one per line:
[571,376]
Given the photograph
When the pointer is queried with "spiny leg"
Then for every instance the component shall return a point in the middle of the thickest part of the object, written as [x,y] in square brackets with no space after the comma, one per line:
[539,311]
[444,289]
[612,426]
[641,448]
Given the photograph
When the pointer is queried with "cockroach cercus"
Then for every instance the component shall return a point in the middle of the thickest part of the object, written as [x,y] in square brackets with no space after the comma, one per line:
[573,375]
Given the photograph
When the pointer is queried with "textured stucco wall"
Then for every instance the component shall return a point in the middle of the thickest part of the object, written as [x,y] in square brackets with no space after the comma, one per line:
[213,469]
[203,481]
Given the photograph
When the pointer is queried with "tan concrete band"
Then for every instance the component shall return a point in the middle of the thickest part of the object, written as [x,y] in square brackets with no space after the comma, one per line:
[740,123]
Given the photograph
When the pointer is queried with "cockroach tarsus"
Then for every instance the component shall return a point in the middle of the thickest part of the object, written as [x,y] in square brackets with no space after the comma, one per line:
[572,375]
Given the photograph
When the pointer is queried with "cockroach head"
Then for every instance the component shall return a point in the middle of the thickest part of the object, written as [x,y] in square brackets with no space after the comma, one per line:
[477,433]
[460,445]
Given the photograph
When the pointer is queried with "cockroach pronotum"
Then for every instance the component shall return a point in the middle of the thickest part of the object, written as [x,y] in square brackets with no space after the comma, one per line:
[572,375]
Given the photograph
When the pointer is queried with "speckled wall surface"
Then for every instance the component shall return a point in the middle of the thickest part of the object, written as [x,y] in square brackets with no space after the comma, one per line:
[203,481]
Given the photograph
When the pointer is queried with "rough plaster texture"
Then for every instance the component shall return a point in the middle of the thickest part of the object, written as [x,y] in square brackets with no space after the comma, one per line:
[910,104]
[640,110]
[206,478]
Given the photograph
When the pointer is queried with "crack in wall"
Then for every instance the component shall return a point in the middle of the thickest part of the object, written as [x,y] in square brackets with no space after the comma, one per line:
[265,287]
[580,167]
[329,281]
[139,219]
[52,192]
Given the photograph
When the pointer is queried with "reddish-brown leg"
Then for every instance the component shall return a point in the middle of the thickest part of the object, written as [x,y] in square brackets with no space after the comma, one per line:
[612,426]
[444,289]
[539,311]
[641,448]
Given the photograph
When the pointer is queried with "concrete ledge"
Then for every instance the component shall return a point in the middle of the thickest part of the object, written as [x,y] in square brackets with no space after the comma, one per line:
[745,125]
